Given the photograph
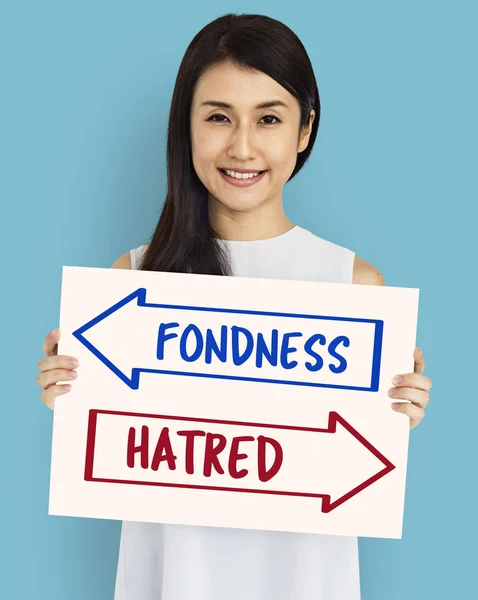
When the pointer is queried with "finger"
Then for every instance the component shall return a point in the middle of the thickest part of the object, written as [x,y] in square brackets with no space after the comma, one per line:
[49,396]
[49,378]
[50,345]
[415,380]
[415,413]
[419,361]
[57,362]
[416,396]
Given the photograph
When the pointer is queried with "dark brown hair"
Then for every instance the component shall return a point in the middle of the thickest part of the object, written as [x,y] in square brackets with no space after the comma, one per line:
[184,240]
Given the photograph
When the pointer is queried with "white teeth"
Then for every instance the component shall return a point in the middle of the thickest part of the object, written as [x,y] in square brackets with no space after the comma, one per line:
[241,175]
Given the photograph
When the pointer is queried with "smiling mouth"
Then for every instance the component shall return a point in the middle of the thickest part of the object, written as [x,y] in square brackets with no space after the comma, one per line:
[242,182]
[258,172]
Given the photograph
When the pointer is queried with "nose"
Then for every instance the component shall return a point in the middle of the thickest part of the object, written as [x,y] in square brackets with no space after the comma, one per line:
[242,144]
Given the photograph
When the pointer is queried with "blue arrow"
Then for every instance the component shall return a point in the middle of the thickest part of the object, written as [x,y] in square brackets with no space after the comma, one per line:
[139,295]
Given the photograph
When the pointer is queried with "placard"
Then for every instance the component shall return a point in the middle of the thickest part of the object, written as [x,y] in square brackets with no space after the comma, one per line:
[233,402]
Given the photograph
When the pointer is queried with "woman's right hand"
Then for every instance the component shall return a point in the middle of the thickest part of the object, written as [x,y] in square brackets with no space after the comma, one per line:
[54,368]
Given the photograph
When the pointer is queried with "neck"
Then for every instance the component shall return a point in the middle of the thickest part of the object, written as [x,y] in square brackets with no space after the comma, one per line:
[247,226]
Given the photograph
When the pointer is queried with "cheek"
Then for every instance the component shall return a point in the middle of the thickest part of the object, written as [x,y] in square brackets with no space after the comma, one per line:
[281,154]
[206,152]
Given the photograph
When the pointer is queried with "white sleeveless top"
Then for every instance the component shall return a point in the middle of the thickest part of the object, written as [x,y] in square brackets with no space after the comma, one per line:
[182,562]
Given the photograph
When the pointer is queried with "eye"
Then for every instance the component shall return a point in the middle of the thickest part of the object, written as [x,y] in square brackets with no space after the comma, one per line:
[264,117]
[271,117]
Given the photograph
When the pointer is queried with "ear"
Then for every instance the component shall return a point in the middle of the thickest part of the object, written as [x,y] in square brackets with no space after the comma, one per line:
[305,135]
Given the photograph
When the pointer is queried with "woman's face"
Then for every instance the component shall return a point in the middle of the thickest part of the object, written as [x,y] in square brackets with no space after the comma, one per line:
[243,136]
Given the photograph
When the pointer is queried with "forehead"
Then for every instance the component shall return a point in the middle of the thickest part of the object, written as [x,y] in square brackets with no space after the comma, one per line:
[239,88]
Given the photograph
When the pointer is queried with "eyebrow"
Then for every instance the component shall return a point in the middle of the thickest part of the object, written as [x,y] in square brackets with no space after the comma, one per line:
[269,104]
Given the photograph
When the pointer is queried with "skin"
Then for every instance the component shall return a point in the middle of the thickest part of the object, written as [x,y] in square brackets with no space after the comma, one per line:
[247,138]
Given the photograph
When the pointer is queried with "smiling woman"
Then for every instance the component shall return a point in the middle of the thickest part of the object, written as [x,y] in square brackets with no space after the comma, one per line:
[244,117]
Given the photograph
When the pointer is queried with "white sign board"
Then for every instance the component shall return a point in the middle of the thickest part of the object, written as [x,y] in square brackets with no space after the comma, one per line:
[233,402]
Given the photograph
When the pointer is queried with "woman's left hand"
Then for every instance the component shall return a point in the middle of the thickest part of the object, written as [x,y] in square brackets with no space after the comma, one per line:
[414,387]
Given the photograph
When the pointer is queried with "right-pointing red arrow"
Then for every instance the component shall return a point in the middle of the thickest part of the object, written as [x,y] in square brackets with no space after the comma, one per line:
[233,456]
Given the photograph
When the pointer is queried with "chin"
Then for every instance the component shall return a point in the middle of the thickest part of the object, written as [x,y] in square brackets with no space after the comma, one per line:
[244,204]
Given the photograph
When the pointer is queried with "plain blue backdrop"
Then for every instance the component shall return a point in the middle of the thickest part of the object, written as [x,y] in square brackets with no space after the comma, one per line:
[85,89]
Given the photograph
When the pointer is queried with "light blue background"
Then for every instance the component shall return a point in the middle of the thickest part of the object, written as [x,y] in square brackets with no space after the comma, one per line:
[85,93]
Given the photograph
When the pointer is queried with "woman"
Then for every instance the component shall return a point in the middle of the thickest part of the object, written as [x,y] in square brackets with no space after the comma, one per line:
[244,118]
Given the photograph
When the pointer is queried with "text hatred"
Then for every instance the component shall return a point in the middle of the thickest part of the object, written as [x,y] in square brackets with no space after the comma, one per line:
[215,444]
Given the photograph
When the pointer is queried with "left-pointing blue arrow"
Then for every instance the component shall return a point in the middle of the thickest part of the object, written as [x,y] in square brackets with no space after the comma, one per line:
[129,339]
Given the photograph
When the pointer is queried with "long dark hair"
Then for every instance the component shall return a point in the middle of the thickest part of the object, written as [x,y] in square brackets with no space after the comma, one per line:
[184,241]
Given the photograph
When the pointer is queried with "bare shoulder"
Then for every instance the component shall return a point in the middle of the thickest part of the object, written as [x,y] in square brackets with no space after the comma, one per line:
[123,262]
[366,274]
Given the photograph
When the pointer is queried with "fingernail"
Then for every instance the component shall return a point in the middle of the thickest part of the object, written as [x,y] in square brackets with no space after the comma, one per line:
[397,379]
[66,387]
[392,391]
[74,362]
[395,404]
[52,334]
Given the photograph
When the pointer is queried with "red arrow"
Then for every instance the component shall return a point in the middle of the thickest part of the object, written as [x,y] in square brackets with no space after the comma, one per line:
[185,452]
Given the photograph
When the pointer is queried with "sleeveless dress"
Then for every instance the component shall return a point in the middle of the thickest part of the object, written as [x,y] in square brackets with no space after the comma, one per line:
[182,562]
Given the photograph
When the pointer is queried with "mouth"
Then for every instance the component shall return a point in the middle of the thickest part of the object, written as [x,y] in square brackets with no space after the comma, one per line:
[242,182]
